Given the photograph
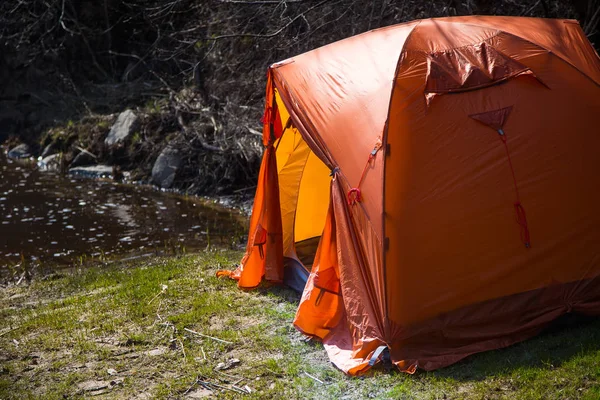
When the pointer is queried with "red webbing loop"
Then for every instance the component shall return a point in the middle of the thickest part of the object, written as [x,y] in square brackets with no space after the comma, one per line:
[519,210]
[354,195]
[522,221]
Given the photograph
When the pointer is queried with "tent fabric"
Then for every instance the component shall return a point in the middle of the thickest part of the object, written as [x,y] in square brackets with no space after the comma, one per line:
[472,142]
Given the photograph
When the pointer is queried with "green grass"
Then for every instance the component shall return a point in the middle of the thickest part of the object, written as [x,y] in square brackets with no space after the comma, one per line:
[80,327]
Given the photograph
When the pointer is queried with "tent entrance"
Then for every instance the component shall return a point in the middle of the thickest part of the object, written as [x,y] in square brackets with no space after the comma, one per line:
[304,185]
[306,251]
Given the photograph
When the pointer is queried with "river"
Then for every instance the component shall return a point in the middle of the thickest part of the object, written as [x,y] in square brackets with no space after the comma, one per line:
[49,221]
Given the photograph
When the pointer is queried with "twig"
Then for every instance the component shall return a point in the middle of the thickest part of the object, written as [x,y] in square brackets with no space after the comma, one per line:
[261,1]
[20,279]
[192,386]
[242,390]
[275,373]
[203,353]
[162,290]
[85,151]
[254,131]
[203,143]
[206,336]
[61,22]
[8,331]
[268,35]
[237,379]
[313,377]
[533,7]
[182,348]
[591,23]
[245,189]
[140,59]
[233,389]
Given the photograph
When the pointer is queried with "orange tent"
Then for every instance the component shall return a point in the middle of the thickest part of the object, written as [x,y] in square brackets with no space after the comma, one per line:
[448,171]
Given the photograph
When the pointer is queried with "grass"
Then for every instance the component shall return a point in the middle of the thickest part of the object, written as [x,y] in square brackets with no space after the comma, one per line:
[121,333]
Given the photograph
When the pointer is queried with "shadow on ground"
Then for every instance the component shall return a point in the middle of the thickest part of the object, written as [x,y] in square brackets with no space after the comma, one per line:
[566,338]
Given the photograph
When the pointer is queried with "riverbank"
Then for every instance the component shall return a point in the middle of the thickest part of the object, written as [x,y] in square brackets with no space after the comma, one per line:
[173,143]
[137,329]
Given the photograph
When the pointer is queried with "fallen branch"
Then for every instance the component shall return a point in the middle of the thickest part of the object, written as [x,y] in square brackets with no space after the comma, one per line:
[245,389]
[254,131]
[206,336]
[233,388]
[203,143]
[20,279]
[234,380]
[85,151]
[313,377]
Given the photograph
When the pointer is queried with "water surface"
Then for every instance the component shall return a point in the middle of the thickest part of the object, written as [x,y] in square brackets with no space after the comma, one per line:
[51,220]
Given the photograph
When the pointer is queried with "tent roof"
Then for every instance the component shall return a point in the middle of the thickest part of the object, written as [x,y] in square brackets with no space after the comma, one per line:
[340,93]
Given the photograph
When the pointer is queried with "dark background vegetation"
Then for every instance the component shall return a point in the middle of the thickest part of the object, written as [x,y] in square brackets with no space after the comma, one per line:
[194,69]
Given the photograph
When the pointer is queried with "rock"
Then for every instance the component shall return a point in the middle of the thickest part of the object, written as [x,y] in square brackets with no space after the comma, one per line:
[165,167]
[83,158]
[93,171]
[111,371]
[20,151]
[48,150]
[228,364]
[157,352]
[50,163]
[91,386]
[126,123]
[117,381]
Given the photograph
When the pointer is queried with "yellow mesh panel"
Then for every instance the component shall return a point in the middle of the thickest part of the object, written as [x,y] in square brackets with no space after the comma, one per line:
[290,177]
[313,200]
[285,146]
[303,186]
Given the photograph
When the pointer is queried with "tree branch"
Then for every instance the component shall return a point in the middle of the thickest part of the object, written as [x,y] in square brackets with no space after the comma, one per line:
[268,35]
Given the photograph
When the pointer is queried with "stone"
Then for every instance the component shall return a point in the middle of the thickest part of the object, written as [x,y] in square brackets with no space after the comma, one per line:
[91,386]
[93,171]
[125,125]
[50,163]
[228,364]
[165,167]
[157,352]
[20,151]
[81,159]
